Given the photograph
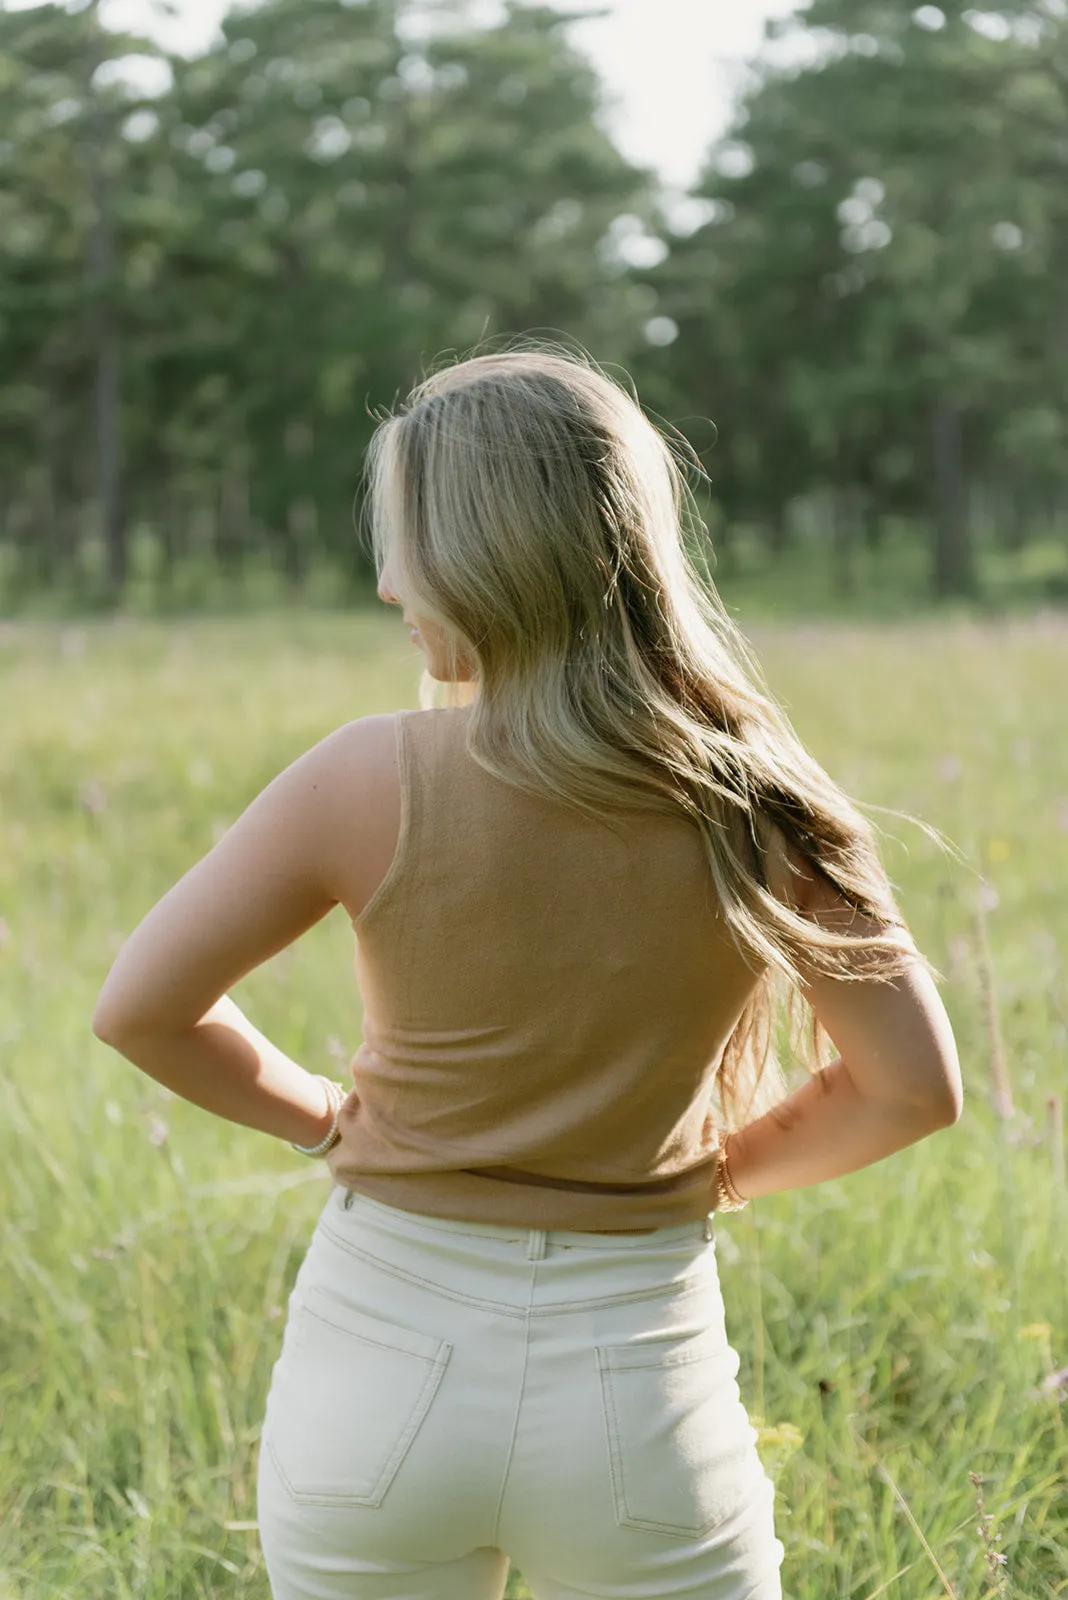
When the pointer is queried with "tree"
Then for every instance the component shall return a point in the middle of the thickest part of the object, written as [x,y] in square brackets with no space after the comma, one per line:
[856,303]
[315,208]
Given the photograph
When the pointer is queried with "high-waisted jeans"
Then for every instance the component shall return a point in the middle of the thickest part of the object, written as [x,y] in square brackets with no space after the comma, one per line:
[450,1395]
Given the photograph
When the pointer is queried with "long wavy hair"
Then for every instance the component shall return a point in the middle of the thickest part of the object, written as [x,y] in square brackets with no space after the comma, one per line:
[543,522]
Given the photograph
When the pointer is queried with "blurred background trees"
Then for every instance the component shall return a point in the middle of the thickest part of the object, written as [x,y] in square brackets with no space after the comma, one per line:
[214,271]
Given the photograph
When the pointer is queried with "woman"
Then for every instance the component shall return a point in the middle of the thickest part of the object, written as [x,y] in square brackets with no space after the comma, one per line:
[578,888]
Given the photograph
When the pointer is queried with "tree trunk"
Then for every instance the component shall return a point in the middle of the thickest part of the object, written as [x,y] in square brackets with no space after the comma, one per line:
[871,514]
[954,558]
[779,529]
[301,522]
[724,551]
[843,543]
[1016,519]
[301,525]
[232,524]
[20,534]
[105,331]
[167,534]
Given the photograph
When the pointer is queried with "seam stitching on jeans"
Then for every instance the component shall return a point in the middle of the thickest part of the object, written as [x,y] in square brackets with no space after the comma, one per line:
[500,1306]
[694,1284]
[612,1429]
[518,1407]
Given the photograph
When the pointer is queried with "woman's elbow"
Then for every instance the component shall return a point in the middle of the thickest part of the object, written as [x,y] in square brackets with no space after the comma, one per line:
[938,1104]
[947,1106]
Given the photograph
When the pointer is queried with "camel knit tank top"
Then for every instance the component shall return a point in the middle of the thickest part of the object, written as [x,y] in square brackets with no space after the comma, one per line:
[545,1006]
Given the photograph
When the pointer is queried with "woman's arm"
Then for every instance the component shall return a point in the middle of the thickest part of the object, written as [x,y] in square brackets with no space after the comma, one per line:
[895,1080]
[165,1004]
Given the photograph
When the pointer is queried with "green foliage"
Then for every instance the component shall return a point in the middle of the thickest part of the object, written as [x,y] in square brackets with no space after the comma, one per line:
[874,304]
[209,294]
[898,1329]
[312,210]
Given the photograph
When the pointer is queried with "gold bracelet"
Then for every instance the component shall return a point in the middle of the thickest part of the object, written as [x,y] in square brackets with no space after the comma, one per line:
[726,1195]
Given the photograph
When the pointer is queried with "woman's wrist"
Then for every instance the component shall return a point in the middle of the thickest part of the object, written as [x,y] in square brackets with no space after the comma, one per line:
[731,1170]
[324,1132]
[736,1164]
[726,1195]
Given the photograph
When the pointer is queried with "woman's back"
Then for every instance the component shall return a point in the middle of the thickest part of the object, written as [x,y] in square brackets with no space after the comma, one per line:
[546,998]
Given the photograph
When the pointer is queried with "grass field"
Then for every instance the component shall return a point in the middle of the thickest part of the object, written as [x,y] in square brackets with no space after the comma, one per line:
[900,1330]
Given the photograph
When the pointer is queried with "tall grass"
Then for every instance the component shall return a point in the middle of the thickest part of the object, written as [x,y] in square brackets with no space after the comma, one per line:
[903,1332]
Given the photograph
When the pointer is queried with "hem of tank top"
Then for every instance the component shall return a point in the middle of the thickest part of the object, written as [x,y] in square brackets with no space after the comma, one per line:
[568,1226]
[556,1228]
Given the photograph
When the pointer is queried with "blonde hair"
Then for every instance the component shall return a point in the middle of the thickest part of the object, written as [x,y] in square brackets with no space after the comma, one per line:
[539,518]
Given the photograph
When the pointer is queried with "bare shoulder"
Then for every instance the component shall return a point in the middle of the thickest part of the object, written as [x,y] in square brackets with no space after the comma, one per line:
[361,817]
[360,762]
[370,740]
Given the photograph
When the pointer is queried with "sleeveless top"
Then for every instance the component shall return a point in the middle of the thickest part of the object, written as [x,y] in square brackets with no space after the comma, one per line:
[546,1003]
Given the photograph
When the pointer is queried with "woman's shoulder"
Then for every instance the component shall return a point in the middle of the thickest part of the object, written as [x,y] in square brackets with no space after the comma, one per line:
[367,746]
[358,760]
[362,812]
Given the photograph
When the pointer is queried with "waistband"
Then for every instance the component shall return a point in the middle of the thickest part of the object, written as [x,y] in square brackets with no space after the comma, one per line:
[535,1240]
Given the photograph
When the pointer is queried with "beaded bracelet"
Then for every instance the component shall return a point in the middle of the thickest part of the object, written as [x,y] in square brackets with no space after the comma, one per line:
[336,1096]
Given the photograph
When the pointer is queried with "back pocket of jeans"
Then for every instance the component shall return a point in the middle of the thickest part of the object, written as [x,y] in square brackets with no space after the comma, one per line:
[348,1395]
[680,1446]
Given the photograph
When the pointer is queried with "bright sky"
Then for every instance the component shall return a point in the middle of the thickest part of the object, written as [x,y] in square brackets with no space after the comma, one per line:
[670,66]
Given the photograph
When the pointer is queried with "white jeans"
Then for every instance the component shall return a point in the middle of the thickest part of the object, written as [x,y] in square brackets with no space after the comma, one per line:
[450,1395]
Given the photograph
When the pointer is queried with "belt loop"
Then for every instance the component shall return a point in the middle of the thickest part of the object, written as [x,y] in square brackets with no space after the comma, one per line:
[535,1244]
[708,1228]
[347,1202]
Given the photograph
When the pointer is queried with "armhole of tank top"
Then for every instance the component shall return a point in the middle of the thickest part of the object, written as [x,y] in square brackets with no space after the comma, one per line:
[401,850]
